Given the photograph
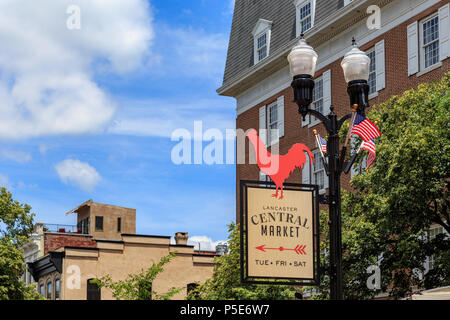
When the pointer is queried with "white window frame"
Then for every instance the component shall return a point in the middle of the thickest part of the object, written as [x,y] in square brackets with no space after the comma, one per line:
[373,89]
[313,120]
[431,233]
[259,49]
[318,159]
[264,177]
[262,28]
[273,138]
[299,4]
[422,45]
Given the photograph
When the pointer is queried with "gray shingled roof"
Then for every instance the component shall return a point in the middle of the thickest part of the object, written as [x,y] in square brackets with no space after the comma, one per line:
[281,13]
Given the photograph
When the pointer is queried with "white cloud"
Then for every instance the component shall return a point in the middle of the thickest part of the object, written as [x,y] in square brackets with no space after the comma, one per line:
[192,53]
[157,117]
[4,182]
[16,155]
[23,185]
[81,174]
[43,148]
[203,242]
[47,71]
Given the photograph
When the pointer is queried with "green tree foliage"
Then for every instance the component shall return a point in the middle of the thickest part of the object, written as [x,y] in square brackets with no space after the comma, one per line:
[394,203]
[139,286]
[16,225]
[225,284]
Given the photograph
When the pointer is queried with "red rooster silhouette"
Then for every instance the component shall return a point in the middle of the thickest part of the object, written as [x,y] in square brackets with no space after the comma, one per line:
[279,167]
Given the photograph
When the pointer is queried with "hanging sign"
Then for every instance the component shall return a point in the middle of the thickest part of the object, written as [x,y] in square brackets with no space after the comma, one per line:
[279,236]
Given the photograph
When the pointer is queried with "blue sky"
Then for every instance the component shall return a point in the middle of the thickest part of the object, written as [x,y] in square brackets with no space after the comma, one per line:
[88,113]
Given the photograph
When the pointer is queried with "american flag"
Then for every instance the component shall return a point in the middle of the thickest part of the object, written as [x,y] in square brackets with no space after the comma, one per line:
[323,144]
[369,146]
[365,128]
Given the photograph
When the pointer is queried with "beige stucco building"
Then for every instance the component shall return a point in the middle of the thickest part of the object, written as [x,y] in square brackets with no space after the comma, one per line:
[114,249]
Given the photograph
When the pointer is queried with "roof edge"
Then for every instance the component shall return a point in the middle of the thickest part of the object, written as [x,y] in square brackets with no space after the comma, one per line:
[312,35]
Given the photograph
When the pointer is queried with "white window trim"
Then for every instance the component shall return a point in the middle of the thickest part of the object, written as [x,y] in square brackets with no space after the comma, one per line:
[430,68]
[263,177]
[277,138]
[372,49]
[318,157]
[312,122]
[298,5]
[264,122]
[373,95]
[421,44]
[262,27]
[264,46]
[427,237]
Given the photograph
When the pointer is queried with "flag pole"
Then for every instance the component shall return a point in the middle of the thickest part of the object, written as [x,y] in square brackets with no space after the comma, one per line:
[320,148]
[352,160]
[319,145]
[355,107]
[375,123]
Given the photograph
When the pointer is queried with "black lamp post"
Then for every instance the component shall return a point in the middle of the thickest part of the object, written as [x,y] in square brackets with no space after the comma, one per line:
[302,61]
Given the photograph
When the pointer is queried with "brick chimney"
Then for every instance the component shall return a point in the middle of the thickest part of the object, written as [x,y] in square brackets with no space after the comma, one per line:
[181,238]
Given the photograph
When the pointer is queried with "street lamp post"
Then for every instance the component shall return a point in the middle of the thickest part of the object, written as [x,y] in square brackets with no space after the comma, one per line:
[302,61]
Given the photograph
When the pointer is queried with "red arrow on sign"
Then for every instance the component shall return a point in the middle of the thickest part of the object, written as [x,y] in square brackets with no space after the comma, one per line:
[299,249]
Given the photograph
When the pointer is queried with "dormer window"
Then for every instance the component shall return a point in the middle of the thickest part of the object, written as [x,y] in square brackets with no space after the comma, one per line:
[305,15]
[262,46]
[261,35]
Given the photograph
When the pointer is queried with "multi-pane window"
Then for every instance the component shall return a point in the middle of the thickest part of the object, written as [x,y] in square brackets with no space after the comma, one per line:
[57,288]
[318,171]
[273,122]
[49,290]
[317,103]
[305,13]
[98,223]
[41,289]
[372,72]
[262,46]
[432,233]
[430,42]
[83,226]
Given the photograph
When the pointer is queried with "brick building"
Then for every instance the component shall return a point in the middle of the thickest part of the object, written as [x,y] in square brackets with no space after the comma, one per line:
[411,47]
[62,259]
